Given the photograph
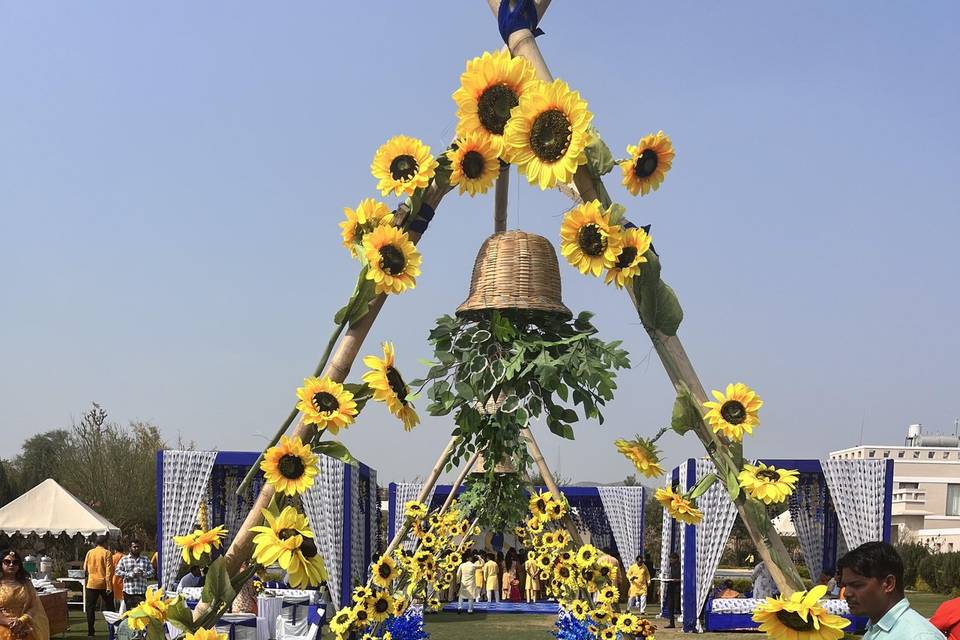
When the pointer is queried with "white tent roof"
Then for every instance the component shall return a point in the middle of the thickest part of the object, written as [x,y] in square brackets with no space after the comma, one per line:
[48,508]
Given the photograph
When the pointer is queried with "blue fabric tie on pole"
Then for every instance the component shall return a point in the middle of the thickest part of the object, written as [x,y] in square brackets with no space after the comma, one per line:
[522,16]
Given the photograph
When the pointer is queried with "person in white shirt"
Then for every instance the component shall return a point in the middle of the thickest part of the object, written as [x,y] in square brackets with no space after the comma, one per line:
[467,579]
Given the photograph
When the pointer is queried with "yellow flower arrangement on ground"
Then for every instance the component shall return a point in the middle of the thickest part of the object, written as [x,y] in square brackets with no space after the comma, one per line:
[290,466]
[735,412]
[490,88]
[588,240]
[799,617]
[388,386]
[547,134]
[341,623]
[393,259]
[403,165]
[199,542]
[767,483]
[649,161]
[475,163]
[326,404]
[368,215]
[679,507]
[643,454]
[635,242]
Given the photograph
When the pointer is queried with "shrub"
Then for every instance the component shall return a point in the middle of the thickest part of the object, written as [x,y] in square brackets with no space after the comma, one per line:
[941,572]
[912,553]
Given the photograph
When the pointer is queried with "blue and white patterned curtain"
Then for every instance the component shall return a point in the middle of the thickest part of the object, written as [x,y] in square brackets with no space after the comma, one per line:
[857,490]
[719,514]
[807,508]
[185,475]
[324,506]
[624,510]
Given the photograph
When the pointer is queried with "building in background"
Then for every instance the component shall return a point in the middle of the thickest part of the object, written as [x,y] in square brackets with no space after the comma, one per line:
[926,486]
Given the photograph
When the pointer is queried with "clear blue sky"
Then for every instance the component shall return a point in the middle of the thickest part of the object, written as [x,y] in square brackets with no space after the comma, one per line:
[172,175]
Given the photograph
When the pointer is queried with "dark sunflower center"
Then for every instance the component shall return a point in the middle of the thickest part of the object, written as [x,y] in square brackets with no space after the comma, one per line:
[733,412]
[361,615]
[604,571]
[392,260]
[472,164]
[342,618]
[381,606]
[291,467]
[588,575]
[286,533]
[793,621]
[308,548]
[590,240]
[541,505]
[403,167]
[646,164]
[769,474]
[626,258]
[550,135]
[564,572]
[325,402]
[494,107]
[397,385]
[384,571]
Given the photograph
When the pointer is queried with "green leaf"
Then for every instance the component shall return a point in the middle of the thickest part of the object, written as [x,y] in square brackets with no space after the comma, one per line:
[535,406]
[363,294]
[480,336]
[561,429]
[702,486]
[510,404]
[733,484]
[686,414]
[217,587]
[498,370]
[669,314]
[180,615]
[569,415]
[617,212]
[562,392]
[464,390]
[599,156]
[334,449]
[582,323]
[155,630]
[522,417]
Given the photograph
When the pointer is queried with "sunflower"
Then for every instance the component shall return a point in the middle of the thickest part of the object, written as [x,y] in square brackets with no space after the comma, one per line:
[283,533]
[635,242]
[643,454]
[587,555]
[545,561]
[403,165]
[628,623]
[767,484]
[428,541]
[556,509]
[648,164]
[799,617]
[205,634]
[735,412]
[434,604]
[608,595]
[610,633]
[379,606]
[362,592]
[547,134]
[400,605]
[340,623]
[368,215]
[562,539]
[385,571]
[535,525]
[678,506]
[361,617]
[564,574]
[475,162]
[588,240]
[154,607]
[490,88]
[538,503]
[388,386]
[579,609]
[414,509]
[326,404]
[601,614]
[200,542]
[290,466]
[394,262]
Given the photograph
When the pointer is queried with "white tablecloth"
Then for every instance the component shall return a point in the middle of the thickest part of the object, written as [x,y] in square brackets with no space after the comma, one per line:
[748,605]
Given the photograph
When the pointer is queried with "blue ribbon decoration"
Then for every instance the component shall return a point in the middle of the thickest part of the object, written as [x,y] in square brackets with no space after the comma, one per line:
[522,16]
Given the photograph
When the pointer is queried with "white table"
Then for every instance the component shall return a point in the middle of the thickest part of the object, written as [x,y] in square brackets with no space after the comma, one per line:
[81,583]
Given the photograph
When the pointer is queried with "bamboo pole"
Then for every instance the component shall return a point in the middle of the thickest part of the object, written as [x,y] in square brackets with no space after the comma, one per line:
[459,481]
[680,370]
[500,200]
[550,481]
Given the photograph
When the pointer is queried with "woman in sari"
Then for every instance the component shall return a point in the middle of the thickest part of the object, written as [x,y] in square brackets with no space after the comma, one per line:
[21,613]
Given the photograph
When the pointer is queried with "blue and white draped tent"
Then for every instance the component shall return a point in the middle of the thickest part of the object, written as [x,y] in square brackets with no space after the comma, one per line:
[837,505]
[612,515]
[341,506]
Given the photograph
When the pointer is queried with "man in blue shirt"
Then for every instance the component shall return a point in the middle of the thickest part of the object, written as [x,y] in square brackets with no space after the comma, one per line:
[872,575]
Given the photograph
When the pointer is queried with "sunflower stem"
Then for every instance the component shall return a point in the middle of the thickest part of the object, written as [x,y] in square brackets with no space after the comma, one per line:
[251,474]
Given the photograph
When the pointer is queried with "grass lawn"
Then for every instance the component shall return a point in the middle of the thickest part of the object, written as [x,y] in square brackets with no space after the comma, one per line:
[480,626]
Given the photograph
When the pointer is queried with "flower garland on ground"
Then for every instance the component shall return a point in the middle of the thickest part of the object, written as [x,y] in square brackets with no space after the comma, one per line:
[582,579]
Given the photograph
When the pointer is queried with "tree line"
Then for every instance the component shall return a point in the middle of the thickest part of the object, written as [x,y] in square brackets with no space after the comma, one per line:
[110,467]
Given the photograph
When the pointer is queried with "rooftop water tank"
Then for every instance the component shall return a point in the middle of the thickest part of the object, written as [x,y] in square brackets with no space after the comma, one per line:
[914,430]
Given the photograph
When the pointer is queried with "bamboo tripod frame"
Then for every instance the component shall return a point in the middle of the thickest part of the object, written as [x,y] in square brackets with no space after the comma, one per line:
[669,348]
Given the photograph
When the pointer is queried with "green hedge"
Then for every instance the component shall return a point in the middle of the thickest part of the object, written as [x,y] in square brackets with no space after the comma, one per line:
[912,554]
[941,571]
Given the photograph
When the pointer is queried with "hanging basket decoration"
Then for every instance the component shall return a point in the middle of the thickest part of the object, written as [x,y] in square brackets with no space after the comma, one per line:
[515,270]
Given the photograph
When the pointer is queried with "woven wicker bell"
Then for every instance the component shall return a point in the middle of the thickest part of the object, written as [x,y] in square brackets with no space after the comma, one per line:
[515,270]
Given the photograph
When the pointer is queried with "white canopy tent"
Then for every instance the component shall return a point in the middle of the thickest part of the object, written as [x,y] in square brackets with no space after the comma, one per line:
[49,509]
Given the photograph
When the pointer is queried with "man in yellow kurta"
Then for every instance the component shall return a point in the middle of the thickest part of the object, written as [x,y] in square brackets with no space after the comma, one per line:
[478,578]
[639,578]
[98,567]
[532,585]
[466,578]
[492,578]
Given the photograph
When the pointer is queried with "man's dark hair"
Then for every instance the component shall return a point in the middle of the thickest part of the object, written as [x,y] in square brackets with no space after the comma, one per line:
[728,584]
[135,541]
[102,540]
[874,560]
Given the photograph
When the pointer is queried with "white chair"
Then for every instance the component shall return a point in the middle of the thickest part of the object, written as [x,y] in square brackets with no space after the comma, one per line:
[300,630]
